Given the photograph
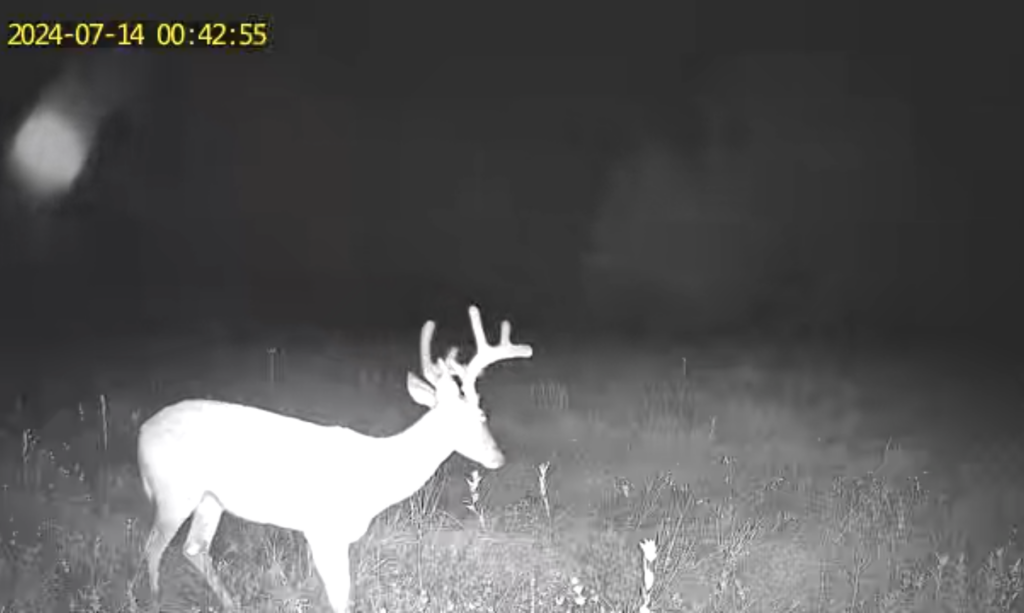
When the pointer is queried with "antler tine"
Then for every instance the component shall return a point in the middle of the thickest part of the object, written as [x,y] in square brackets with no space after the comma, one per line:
[506,333]
[430,370]
[476,323]
[487,354]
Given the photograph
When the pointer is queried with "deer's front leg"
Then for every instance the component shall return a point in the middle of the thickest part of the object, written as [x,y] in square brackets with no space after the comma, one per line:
[331,556]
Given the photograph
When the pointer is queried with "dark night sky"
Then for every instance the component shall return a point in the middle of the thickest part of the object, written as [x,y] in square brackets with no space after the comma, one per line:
[743,168]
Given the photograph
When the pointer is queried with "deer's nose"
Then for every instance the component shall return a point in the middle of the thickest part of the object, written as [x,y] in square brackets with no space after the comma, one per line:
[495,461]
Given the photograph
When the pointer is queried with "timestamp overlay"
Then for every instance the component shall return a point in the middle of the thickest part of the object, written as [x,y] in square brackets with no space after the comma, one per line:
[249,34]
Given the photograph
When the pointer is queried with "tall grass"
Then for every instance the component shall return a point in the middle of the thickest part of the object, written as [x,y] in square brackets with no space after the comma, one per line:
[741,538]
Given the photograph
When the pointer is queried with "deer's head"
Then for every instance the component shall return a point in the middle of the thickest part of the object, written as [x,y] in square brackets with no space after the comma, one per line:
[448,387]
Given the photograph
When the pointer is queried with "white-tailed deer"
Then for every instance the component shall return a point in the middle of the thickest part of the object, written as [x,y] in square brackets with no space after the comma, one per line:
[201,458]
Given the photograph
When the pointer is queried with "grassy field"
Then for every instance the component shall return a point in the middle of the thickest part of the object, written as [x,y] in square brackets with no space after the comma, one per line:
[699,479]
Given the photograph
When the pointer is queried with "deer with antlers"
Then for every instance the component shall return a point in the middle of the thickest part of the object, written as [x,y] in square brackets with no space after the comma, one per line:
[202,457]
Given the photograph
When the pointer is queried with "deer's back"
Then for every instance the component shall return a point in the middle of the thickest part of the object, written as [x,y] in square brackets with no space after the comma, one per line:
[256,462]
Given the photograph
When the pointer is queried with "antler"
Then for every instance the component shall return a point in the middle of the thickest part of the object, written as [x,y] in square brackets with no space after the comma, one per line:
[486,354]
[431,371]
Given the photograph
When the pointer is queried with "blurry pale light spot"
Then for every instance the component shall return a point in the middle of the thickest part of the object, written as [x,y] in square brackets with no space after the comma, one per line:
[48,153]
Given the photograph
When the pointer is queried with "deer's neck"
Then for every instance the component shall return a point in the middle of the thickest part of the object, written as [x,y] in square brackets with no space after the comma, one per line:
[413,457]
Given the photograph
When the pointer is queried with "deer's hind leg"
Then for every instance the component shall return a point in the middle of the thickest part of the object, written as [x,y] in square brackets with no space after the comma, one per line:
[205,520]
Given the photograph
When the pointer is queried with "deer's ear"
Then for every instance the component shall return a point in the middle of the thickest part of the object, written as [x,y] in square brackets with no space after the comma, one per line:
[421,391]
